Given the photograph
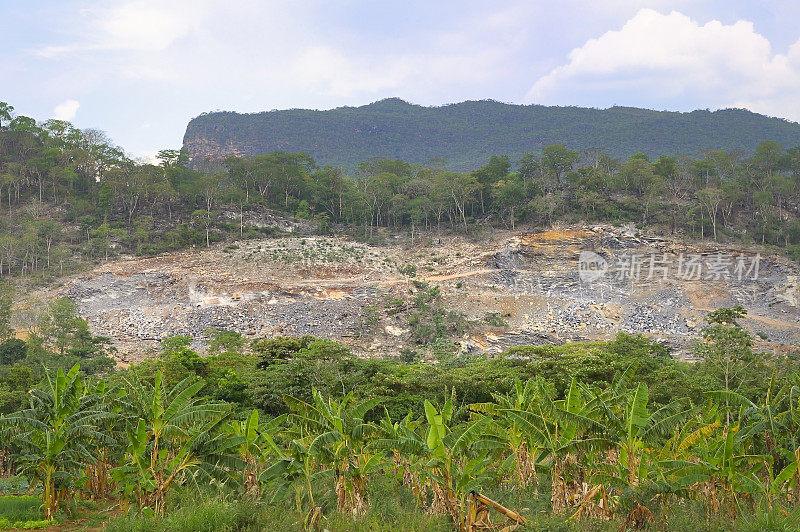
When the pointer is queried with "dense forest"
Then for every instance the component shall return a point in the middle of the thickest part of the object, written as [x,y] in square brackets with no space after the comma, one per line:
[70,197]
[466,134]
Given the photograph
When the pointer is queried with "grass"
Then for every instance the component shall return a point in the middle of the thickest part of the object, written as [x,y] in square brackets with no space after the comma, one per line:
[20,507]
[392,509]
[310,253]
[211,515]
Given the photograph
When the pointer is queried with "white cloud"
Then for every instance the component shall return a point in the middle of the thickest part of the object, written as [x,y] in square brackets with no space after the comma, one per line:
[146,25]
[66,110]
[332,72]
[286,47]
[140,25]
[328,70]
[672,60]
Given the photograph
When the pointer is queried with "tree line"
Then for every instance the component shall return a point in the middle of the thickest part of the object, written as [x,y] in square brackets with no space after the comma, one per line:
[70,197]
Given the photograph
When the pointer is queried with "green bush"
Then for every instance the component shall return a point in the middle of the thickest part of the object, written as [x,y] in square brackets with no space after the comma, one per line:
[13,485]
[12,351]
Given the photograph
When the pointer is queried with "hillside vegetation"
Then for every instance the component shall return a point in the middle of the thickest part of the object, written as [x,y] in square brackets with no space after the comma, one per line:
[464,135]
[69,197]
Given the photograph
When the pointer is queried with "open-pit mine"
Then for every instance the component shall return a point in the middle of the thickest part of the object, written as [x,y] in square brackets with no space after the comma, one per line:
[548,287]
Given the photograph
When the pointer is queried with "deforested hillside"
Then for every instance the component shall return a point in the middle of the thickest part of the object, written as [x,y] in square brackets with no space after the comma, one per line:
[506,290]
[466,134]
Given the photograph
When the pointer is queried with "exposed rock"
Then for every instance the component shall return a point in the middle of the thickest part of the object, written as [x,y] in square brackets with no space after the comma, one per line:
[322,286]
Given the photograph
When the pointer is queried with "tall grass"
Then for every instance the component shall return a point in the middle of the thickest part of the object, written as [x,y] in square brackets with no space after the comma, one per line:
[211,515]
[393,509]
[20,508]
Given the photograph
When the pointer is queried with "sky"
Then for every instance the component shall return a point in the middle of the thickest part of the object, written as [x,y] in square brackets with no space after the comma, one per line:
[141,69]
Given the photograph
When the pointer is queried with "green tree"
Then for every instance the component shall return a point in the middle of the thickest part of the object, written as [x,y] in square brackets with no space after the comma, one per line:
[6,302]
[508,194]
[6,113]
[12,351]
[61,324]
[711,198]
[204,219]
[171,158]
[529,168]
[557,161]
[488,175]
[725,347]
[142,230]
[461,190]
[15,383]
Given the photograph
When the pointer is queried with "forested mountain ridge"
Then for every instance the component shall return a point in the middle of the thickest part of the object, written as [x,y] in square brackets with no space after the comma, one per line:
[466,134]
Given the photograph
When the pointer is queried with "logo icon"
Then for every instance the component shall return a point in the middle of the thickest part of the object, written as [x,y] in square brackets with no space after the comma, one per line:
[591,266]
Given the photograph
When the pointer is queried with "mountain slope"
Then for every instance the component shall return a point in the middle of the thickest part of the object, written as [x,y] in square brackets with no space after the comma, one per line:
[467,133]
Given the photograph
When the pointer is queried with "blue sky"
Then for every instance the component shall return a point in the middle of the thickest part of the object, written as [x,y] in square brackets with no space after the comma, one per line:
[140,69]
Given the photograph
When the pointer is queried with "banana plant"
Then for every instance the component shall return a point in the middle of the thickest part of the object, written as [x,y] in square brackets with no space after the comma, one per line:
[769,421]
[629,476]
[253,448]
[788,446]
[461,459]
[524,398]
[176,432]
[110,445]
[635,431]
[770,427]
[407,447]
[296,471]
[565,430]
[341,437]
[789,476]
[53,436]
[722,471]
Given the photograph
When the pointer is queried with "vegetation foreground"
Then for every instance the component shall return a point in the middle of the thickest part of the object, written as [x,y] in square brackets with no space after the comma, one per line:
[593,436]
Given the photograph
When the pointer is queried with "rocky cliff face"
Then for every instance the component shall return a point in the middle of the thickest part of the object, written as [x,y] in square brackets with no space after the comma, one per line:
[575,284]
